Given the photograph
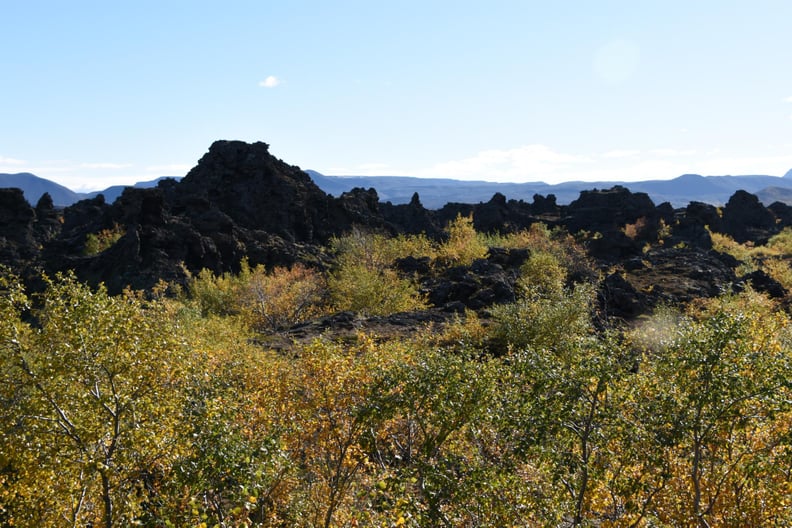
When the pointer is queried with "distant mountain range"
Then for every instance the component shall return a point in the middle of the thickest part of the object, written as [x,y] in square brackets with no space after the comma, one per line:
[436,192]
[34,187]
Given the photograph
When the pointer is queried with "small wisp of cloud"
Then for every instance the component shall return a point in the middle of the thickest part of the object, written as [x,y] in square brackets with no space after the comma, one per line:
[672,152]
[106,166]
[11,161]
[270,82]
[621,153]
[525,163]
[169,169]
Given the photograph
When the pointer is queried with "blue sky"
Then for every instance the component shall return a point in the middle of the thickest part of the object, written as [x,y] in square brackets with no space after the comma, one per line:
[100,93]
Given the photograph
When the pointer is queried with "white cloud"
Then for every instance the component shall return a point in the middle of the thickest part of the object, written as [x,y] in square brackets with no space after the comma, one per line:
[621,153]
[670,152]
[11,161]
[171,169]
[373,166]
[105,165]
[270,82]
[365,169]
[526,163]
[533,163]
[788,99]
[774,165]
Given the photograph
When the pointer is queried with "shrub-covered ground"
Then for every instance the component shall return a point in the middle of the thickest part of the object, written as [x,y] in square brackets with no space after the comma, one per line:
[171,409]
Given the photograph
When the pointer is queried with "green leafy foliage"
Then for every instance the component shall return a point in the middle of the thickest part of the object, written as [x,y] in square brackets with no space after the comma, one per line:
[542,275]
[93,387]
[264,300]
[282,298]
[710,395]
[544,320]
[463,244]
[561,408]
[365,281]
[96,243]
[556,242]
[214,294]
[773,257]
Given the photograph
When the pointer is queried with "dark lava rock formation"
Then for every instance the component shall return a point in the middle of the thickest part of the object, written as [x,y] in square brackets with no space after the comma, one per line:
[240,201]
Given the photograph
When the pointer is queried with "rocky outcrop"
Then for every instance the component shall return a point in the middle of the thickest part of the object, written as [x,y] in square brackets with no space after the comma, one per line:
[690,225]
[745,218]
[670,275]
[239,201]
[482,284]
[17,218]
[254,189]
[782,212]
[608,210]
[762,282]
[412,218]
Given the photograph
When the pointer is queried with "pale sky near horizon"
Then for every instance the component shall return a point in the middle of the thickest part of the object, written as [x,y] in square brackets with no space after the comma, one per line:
[101,93]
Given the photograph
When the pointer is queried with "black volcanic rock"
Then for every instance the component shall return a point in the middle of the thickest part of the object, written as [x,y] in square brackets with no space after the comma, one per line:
[681,274]
[255,189]
[783,212]
[606,210]
[412,218]
[477,286]
[762,282]
[690,225]
[239,201]
[48,222]
[614,245]
[620,298]
[544,205]
[745,218]
[17,241]
[260,192]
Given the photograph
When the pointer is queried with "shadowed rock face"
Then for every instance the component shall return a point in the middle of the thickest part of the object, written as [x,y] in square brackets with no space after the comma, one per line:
[17,241]
[241,201]
[255,190]
[745,218]
[609,209]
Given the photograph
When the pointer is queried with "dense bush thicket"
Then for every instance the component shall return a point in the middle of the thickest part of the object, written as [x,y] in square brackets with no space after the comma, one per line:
[772,257]
[162,411]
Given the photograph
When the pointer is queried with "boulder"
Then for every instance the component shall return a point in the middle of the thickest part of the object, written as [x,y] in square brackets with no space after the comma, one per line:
[18,243]
[745,218]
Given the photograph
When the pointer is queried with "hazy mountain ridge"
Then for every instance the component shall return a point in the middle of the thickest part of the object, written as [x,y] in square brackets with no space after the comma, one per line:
[436,192]
[33,187]
[111,193]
